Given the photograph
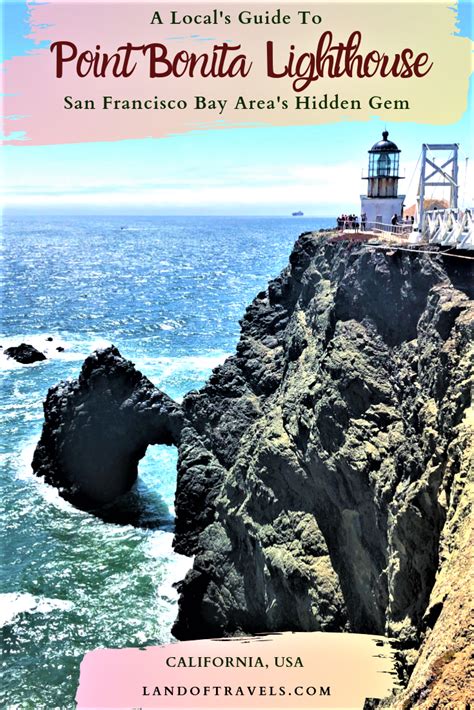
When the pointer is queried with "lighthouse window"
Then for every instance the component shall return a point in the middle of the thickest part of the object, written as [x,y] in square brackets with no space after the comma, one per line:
[383,164]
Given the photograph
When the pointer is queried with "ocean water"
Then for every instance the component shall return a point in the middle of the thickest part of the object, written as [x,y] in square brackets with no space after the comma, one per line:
[168,292]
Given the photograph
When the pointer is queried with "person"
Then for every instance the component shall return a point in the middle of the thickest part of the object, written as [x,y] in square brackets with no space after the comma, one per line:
[363,221]
[394,223]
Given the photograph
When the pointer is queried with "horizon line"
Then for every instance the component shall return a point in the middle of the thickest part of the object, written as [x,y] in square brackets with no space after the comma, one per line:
[60,213]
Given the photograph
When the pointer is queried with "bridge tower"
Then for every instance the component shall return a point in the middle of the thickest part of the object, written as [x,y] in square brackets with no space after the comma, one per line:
[433,175]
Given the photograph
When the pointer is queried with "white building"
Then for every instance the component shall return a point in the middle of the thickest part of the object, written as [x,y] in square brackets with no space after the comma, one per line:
[382,200]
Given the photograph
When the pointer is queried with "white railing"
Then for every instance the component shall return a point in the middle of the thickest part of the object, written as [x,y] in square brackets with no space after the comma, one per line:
[357,225]
[388,231]
[399,228]
[451,227]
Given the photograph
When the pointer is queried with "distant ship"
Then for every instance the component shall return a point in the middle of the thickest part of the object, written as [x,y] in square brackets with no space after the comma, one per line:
[297,214]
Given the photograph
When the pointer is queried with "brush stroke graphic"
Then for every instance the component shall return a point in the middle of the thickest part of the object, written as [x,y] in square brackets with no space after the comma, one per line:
[337,671]
[38,112]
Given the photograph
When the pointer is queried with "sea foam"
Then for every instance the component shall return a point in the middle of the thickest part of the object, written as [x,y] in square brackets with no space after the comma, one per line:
[12,604]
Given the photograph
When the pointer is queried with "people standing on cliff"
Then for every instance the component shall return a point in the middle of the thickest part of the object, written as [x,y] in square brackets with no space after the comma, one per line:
[363,221]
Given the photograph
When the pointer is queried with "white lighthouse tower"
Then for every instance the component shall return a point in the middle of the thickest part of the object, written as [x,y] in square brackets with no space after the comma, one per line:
[382,200]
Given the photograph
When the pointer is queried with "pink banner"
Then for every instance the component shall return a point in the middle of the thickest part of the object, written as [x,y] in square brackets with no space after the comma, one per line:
[288,670]
[108,71]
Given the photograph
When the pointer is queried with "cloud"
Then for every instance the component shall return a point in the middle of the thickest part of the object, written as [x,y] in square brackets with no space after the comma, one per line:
[281,185]
[319,188]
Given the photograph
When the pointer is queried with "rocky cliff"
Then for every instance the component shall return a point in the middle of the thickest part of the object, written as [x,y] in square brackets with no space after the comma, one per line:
[322,471]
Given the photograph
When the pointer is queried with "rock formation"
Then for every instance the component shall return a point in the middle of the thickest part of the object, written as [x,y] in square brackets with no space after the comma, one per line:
[322,470]
[98,428]
[339,425]
[25,354]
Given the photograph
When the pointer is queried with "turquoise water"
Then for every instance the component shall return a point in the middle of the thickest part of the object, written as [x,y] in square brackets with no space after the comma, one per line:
[168,292]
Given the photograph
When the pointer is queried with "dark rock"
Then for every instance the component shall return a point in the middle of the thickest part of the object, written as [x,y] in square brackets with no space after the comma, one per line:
[98,428]
[337,415]
[60,349]
[25,354]
[49,339]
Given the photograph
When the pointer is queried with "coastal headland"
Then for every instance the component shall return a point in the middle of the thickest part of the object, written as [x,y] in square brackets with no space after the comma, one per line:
[323,471]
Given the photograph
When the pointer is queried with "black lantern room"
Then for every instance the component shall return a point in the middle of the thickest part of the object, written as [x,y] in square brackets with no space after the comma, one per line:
[384,158]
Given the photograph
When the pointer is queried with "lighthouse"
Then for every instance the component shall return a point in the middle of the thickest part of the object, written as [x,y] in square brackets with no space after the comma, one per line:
[382,200]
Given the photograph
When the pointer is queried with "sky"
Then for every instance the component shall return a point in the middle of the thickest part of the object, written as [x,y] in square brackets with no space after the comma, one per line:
[267,170]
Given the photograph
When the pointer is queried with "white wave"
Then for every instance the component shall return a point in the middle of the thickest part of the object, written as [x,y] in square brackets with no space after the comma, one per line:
[7,363]
[24,472]
[78,350]
[14,603]
[23,459]
[169,325]
[51,495]
[167,366]
[96,344]
[160,545]
[73,350]
[41,343]
[38,340]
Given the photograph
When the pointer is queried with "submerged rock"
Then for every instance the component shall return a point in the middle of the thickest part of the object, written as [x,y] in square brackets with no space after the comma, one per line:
[322,469]
[25,354]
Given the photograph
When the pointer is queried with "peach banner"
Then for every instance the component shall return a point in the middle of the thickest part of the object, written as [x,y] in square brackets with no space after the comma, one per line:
[288,670]
[99,69]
